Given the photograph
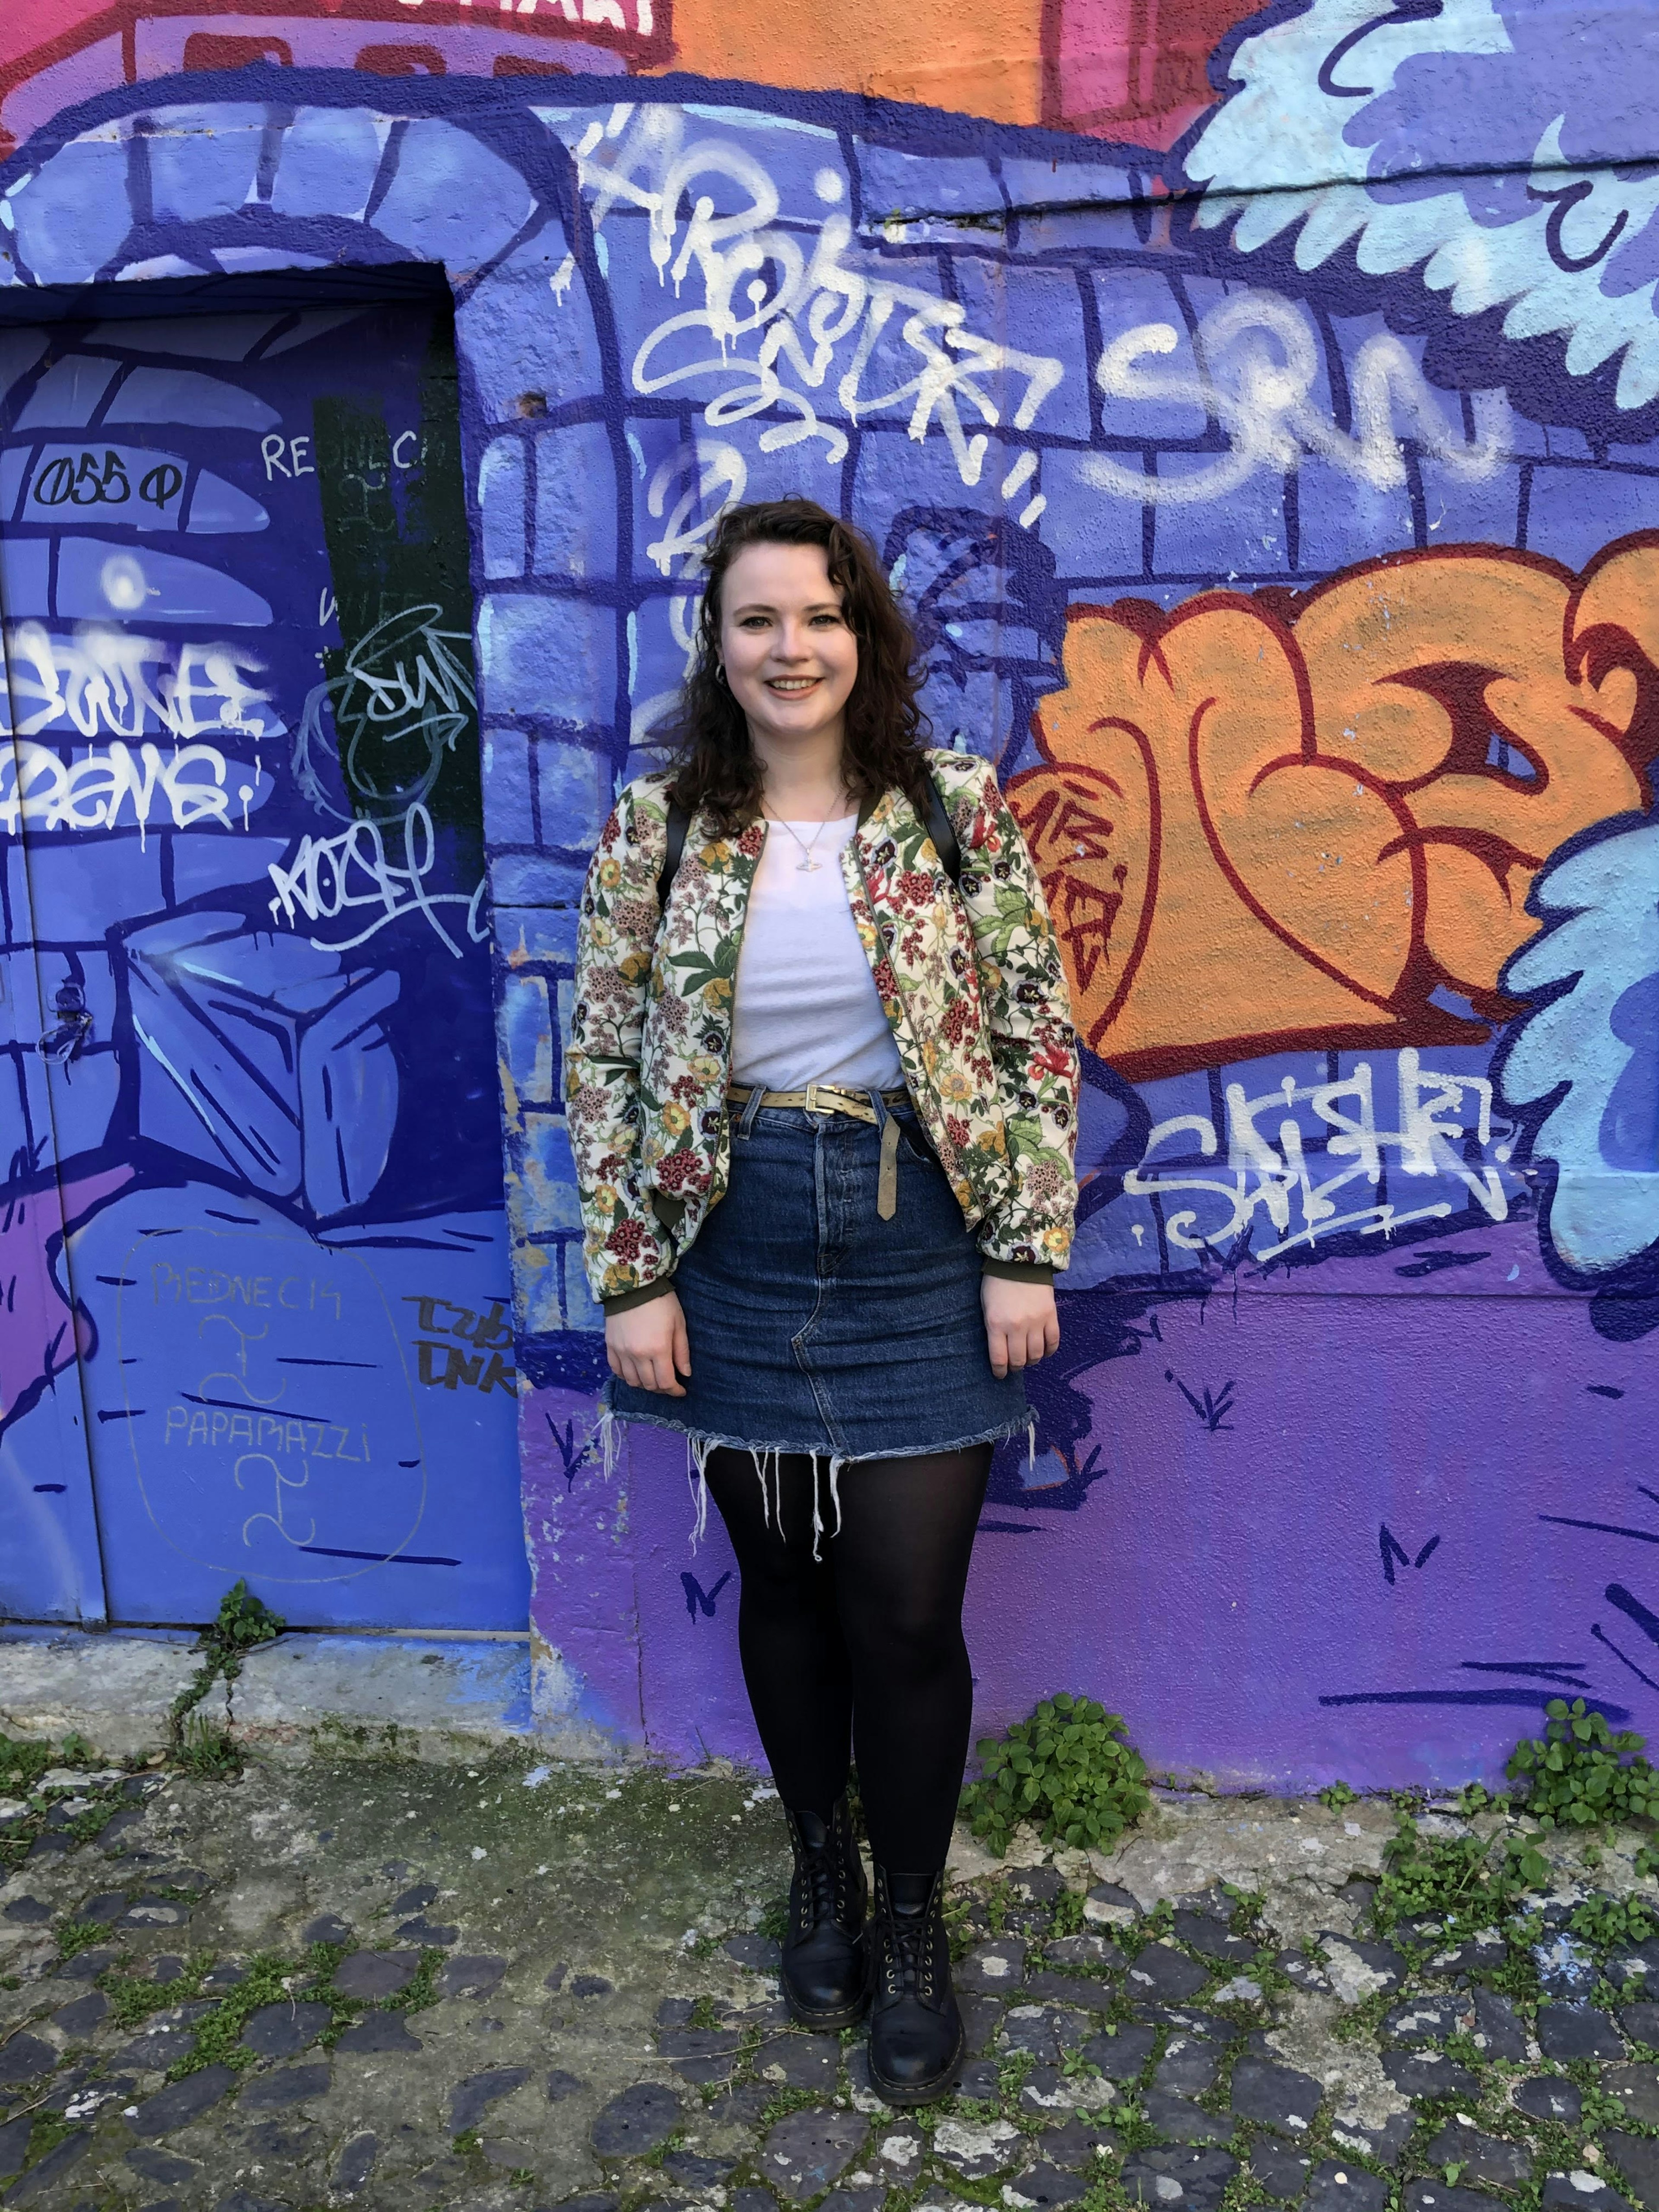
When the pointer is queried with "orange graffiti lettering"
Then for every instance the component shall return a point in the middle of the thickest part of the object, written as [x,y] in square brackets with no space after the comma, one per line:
[1276,823]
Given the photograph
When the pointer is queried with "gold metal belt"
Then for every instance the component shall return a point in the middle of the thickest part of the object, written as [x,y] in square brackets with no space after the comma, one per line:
[830,1098]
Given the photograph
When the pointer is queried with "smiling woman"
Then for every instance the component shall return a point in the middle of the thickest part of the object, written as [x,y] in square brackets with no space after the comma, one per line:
[823,1118]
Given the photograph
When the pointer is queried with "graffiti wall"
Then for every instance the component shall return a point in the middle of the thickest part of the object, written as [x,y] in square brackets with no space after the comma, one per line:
[1270,458]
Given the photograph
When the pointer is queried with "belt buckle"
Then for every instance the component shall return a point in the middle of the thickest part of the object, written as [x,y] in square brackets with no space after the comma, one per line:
[812,1104]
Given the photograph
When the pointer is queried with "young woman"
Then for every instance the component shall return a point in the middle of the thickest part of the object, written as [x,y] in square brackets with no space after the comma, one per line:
[822,1100]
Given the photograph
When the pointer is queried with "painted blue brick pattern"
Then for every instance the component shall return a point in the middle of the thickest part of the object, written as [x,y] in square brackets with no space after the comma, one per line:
[573,788]
[451,200]
[1572,513]
[525,879]
[1244,536]
[544,937]
[331,157]
[1455,508]
[575,516]
[508,789]
[527,1041]
[70,224]
[501,504]
[203,161]
[1342,520]
[548,1176]
[895,183]
[553,658]
[1015,304]
[1128,299]
[1062,184]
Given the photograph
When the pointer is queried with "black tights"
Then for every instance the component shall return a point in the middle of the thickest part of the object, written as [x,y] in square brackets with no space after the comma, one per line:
[859,1651]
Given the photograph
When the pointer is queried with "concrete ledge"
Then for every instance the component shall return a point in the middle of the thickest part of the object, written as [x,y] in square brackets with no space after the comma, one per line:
[116,1691]
[432,1699]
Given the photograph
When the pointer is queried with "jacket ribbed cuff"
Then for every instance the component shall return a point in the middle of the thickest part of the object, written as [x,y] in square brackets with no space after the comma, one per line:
[624,1299]
[1016,1271]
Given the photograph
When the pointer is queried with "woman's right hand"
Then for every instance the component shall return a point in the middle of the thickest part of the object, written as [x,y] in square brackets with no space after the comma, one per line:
[647,1345]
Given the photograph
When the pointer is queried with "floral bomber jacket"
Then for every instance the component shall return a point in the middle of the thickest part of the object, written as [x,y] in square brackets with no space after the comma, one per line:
[974,988]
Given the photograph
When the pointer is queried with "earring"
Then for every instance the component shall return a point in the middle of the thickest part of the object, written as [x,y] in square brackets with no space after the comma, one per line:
[719,672]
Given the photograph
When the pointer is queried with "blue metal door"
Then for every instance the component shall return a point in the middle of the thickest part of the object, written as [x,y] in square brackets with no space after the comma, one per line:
[245,786]
[50,1568]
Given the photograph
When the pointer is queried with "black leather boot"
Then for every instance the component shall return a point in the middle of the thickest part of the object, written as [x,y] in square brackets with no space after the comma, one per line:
[824,1972]
[915,2029]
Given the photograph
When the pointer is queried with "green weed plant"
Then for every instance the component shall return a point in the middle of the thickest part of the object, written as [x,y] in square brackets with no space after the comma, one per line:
[1069,1915]
[1465,1882]
[1579,1773]
[1605,1921]
[206,1748]
[218,2039]
[1068,1770]
[242,1624]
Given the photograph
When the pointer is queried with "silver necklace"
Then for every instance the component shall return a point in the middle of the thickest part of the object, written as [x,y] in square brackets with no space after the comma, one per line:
[807,866]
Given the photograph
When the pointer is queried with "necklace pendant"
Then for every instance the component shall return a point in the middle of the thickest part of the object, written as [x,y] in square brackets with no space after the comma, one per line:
[807,867]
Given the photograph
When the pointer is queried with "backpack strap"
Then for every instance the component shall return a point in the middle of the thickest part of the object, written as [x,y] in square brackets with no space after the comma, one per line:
[939,829]
[943,835]
[680,821]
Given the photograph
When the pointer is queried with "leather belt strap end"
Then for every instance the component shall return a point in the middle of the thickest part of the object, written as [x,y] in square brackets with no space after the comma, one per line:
[887,1179]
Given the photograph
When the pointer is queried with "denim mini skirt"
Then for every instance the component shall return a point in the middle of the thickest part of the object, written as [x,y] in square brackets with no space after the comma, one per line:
[817,1326]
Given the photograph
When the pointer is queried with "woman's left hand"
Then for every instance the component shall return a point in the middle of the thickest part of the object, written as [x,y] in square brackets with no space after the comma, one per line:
[1022,1324]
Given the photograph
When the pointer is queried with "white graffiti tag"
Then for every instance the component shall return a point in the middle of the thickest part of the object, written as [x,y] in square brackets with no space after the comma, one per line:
[789,310]
[332,876]
[1258,366]
[1279,1180]
[36,786]
[112,681]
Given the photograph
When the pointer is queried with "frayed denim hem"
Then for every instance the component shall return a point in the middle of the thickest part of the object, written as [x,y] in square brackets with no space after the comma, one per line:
[698,1446]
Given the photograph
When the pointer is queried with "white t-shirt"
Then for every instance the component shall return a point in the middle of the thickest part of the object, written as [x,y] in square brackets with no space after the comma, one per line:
[806,1009]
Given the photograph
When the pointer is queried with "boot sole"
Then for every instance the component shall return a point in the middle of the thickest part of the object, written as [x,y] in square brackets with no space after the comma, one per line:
[905,2094]
[827,2023]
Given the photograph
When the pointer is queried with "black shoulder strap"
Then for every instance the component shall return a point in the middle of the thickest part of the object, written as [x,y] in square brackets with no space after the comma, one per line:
[943,836]
[680,821]
[939,829]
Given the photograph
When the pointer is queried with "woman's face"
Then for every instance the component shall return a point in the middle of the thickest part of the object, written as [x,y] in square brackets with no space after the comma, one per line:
[790,658]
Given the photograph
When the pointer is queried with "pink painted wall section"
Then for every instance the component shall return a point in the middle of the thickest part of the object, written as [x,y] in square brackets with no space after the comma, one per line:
[1135,70]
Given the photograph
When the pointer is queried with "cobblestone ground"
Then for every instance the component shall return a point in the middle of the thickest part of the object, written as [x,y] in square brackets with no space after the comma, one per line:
[368,1981]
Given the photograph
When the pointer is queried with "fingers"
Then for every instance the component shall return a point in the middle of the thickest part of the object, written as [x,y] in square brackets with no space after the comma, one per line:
[657,1373]
[1021,1345]
[682,1347]
[649,1370]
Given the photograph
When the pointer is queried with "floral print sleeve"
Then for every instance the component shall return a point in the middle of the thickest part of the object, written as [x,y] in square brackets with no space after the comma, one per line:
[1028,1016]
[624,1248]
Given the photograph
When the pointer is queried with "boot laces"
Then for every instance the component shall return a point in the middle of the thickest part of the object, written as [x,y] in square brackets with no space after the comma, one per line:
[820,1882]
[909,1954]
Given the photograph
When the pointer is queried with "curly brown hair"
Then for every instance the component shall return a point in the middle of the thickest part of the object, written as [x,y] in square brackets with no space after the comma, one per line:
[715,762]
